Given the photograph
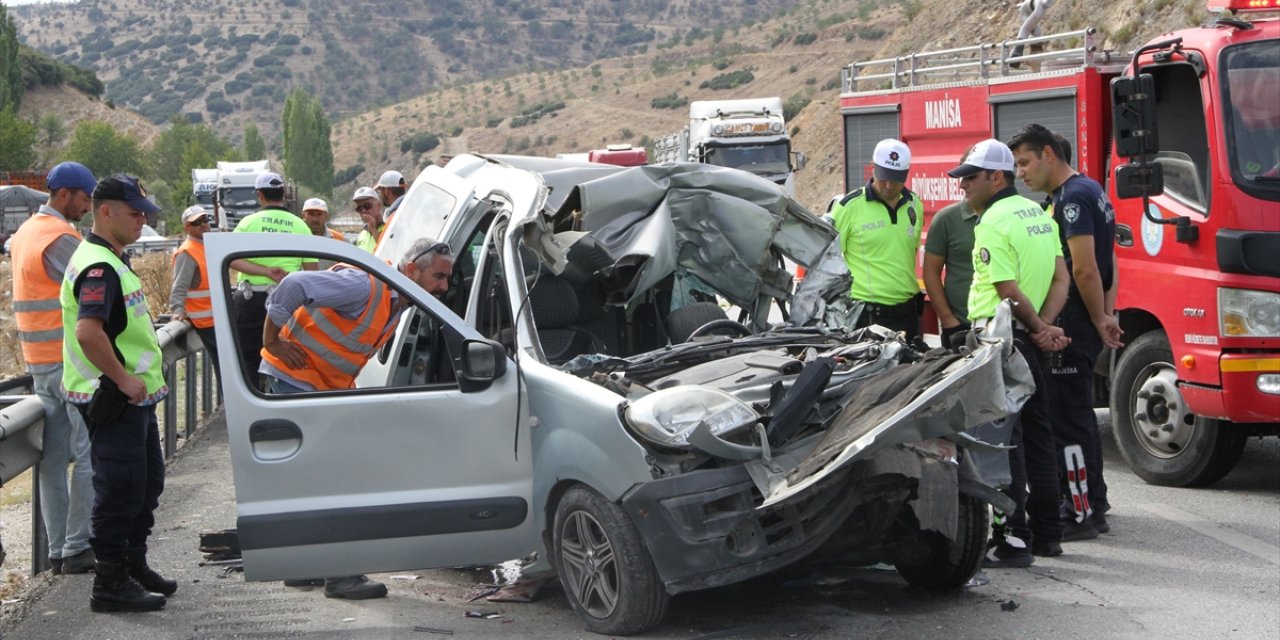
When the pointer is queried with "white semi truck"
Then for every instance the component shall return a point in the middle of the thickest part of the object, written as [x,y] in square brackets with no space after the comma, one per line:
[204,186]
[750,135]
[235,197]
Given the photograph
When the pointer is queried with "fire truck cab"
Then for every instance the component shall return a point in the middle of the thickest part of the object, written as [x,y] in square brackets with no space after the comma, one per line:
[1198,257]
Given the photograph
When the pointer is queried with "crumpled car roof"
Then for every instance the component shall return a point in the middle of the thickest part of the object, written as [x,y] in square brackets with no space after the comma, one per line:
[725,226]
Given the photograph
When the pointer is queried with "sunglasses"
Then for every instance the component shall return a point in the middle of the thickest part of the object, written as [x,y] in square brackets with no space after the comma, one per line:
[364,207]
[437,248]
[204,220]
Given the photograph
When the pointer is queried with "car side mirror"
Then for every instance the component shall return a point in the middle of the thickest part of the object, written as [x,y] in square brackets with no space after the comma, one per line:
[801,160]
[1133,108]
[483,361]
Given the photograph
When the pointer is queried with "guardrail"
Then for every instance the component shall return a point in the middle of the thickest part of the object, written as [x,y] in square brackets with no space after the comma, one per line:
[189,374]
[1077,49]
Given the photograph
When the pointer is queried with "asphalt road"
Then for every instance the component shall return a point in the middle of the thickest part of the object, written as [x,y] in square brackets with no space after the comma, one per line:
[1179,563]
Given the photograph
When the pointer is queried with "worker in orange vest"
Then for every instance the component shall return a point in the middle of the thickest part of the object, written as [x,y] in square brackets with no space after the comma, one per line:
[189,299]
[42,249]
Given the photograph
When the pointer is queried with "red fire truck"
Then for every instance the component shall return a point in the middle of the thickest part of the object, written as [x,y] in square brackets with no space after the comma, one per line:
[1192,165]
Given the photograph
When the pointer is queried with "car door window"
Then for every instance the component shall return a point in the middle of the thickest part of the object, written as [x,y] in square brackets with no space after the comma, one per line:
[354,329]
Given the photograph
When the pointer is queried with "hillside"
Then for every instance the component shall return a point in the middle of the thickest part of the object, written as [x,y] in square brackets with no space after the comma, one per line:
[610,102]
[73,106]
[238,60]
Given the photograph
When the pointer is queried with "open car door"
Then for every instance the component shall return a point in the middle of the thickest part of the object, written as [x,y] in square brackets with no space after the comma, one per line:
[428,469]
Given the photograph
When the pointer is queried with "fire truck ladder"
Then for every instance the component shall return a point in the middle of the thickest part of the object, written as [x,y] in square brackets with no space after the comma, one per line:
[1076,49]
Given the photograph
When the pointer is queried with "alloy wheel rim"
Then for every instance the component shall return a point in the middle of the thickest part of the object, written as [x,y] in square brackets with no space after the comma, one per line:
[590,567]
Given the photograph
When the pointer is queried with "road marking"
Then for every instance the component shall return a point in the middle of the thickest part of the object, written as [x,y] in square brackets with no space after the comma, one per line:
[1247,544]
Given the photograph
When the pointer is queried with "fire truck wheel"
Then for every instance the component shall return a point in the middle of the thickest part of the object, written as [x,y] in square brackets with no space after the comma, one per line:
[1163,442]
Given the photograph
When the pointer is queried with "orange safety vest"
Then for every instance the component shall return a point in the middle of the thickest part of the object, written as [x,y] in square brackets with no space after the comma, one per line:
[198,303]
[337,347]
[36,307]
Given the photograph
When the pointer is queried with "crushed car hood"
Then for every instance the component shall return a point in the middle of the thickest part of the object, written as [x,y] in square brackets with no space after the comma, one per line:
[937,397]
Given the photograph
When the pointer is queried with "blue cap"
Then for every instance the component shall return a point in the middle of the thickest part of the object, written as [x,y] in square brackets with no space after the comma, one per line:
[127,189]
[71,175]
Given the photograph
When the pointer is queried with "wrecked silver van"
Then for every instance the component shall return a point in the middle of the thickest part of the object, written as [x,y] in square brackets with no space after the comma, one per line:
[624,386]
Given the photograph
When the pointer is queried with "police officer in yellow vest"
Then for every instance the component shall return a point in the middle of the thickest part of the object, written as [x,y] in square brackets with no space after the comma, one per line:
[322,328]
[114,370]
[258,275]
[879,226]
[42,248]
[1016,256]
[189,299]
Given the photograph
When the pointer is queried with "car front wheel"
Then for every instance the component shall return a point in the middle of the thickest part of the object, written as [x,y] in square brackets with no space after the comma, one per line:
[930,561]
[604,566]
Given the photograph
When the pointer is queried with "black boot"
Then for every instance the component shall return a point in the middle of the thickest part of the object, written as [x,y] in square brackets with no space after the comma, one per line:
[114,590]
[146,576]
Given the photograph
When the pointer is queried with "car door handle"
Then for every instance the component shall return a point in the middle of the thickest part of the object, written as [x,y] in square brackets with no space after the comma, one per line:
[1124,235]
[274,440]
[274,430]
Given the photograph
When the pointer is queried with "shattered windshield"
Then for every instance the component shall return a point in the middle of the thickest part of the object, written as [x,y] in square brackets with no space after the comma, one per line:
[761,159]
[1251,88]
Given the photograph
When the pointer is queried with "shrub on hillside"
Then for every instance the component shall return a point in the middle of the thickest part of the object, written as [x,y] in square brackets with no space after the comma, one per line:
[672,100]
[731,80]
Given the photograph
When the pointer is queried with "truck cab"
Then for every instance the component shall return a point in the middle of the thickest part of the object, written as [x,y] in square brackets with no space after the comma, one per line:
[750,135]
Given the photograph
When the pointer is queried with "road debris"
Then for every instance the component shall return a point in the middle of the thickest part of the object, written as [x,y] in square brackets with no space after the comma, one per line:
[487,615]
[524,591]
[442,632]
[1009,605]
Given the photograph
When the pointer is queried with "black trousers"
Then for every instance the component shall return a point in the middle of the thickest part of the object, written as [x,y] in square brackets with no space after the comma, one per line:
[904,317]
[1032,465]
[128,478]
[250,315]
[1075,426]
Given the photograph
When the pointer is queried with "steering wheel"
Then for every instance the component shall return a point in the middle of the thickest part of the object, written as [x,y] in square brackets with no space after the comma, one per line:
[723,326]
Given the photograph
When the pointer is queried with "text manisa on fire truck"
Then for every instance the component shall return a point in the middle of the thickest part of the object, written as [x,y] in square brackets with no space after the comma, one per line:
[750,135]
[1197,139]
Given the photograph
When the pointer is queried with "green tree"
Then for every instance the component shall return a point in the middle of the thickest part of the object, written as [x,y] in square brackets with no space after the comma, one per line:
[50,132]
[308,153]
[11,84]
[98,146]
[255,148]
[181,148]
[17,142]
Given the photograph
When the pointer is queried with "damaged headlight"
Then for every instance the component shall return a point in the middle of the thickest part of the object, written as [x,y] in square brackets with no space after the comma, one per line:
[667,417]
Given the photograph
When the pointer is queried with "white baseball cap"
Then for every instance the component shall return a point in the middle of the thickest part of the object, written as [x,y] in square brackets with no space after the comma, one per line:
[391,179]
[988,155]
[364,192]
[268,180]
[314,204]
[891,158]
[193,212]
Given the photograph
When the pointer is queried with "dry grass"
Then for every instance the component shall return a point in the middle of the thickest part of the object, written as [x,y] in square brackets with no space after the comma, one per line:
[17,490]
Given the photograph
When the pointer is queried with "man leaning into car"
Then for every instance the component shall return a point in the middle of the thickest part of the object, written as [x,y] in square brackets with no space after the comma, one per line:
[323,326]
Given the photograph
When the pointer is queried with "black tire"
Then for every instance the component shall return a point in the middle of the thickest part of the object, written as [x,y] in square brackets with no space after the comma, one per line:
[604,566]
[1161,440]
[682,322]
[927,560]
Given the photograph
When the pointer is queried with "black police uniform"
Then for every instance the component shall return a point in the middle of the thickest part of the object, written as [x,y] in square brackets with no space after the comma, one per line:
[128,463]
[1080,207]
